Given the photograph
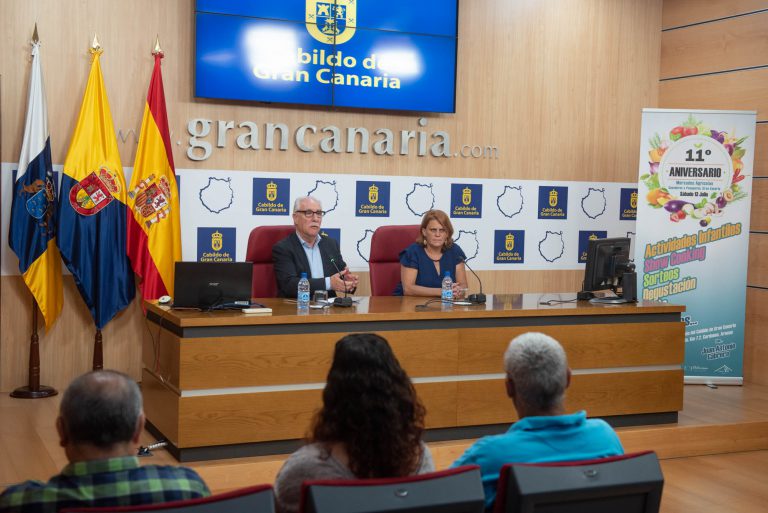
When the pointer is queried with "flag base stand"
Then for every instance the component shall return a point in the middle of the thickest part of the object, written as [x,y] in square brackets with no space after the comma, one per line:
[34,390]
[30,393]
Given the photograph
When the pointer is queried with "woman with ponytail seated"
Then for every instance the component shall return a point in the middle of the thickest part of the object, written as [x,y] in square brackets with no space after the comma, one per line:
[369,426]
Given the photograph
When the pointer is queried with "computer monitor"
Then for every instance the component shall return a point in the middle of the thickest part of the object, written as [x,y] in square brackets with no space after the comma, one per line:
[609,266]
[208,285]
[631,485]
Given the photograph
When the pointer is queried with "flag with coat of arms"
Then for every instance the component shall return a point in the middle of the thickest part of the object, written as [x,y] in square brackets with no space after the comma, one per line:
[32,232]
[92,213]
[154,232]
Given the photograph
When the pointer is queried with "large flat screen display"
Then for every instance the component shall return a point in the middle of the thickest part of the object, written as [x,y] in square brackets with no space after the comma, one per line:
[394,55]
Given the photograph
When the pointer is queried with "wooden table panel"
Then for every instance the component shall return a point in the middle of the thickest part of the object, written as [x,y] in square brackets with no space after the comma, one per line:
[620,393]
[209,363]
[161,406]
[261,417]
[590,346]
[221,378]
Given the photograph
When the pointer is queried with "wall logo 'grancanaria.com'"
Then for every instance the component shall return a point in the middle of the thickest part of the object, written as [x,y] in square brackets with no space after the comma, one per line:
[331,22]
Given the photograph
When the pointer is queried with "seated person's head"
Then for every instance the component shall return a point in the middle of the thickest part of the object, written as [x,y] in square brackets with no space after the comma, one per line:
[100,416]
[436,230]
[370,407]
[537,374]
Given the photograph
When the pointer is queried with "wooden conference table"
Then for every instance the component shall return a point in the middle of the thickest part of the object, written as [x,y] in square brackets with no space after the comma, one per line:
[224,384]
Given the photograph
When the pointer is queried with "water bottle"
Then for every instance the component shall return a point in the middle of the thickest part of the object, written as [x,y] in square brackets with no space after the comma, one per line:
[447,294]
[303,296]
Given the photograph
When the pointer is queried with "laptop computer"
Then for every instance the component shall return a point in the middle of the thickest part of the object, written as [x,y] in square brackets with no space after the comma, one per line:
[209,285]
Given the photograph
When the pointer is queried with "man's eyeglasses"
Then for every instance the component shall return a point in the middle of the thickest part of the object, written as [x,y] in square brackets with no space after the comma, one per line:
[309,213]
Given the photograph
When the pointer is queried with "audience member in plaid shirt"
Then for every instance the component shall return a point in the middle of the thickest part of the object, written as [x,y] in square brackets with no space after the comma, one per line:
[99,424]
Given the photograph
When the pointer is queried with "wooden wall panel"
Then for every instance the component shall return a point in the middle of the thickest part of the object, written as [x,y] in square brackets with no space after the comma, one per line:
[728,44]
[761,150]
[589,68]
[67,351]
[759,215]
[757,272]
[755,341]
[717,45]
[743,90]
[684,12]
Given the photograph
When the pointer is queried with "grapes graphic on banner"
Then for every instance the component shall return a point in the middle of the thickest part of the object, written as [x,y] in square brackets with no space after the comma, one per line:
[32,234]
[92,210]
[154,233]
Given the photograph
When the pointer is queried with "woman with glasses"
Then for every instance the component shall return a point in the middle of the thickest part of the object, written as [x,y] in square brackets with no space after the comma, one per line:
[369,426]
[423,264]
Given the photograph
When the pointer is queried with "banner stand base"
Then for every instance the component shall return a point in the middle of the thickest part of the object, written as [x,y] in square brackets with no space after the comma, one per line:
[712,380]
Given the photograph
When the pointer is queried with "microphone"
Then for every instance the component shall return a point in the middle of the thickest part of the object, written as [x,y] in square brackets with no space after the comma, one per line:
[475,298]
[341,301]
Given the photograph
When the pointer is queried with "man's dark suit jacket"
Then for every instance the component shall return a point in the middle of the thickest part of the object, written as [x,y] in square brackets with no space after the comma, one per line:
[290,261]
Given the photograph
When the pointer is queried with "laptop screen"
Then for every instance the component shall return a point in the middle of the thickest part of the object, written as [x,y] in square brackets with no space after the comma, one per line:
[209,285]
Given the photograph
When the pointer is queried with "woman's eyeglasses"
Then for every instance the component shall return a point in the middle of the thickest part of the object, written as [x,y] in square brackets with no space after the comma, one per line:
[309,213]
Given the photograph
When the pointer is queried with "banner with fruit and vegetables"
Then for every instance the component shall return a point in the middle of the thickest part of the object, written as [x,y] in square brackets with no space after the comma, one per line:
[695,187]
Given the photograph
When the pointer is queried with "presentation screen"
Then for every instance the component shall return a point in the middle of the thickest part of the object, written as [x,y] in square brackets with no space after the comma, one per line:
[342,53]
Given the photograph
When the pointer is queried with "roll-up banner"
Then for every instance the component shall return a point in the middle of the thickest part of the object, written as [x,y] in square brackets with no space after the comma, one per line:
[692,242]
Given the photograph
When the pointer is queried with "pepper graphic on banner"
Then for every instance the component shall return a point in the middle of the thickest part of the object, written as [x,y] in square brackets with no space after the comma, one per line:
[92,211]
[154,233]
[32,234]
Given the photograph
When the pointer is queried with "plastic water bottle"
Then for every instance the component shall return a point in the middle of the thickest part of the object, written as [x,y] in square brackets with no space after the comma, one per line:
[447,294]
[303,296]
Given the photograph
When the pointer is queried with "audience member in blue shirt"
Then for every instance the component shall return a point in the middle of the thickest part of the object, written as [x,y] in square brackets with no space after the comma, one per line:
[537,376]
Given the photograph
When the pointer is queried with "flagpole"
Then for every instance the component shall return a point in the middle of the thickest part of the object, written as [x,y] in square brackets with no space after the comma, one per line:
[34,390]
[98,351]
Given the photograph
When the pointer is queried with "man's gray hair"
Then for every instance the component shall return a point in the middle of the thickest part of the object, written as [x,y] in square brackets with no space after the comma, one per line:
[298,201]
[101,408]
[537,365]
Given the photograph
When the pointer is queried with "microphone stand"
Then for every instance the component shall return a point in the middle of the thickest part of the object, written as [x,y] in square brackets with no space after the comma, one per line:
[479,298]
[341,301]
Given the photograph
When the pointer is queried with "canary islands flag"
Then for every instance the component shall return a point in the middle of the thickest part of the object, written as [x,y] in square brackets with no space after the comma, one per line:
[92,207]
[154,233]
[32,234]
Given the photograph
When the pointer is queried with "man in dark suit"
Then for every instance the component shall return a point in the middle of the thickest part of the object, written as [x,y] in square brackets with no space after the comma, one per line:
[306,251]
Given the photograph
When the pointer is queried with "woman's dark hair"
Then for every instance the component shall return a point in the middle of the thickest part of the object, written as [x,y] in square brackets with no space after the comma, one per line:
[370,406]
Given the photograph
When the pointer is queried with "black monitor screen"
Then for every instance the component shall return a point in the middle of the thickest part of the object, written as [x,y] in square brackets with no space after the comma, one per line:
[607,260]
[212,284]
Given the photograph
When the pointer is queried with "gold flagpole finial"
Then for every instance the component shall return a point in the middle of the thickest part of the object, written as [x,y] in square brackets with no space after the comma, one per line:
[157,50]
[35,37]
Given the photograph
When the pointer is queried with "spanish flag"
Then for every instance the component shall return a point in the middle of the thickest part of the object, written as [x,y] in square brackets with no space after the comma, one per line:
[32,233]
[92,207]
[154,233]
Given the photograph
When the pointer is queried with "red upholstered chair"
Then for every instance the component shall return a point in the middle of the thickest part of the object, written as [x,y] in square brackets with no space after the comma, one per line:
[259,251]
[631,483]
[384,263]
[254,499]
[456,490]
